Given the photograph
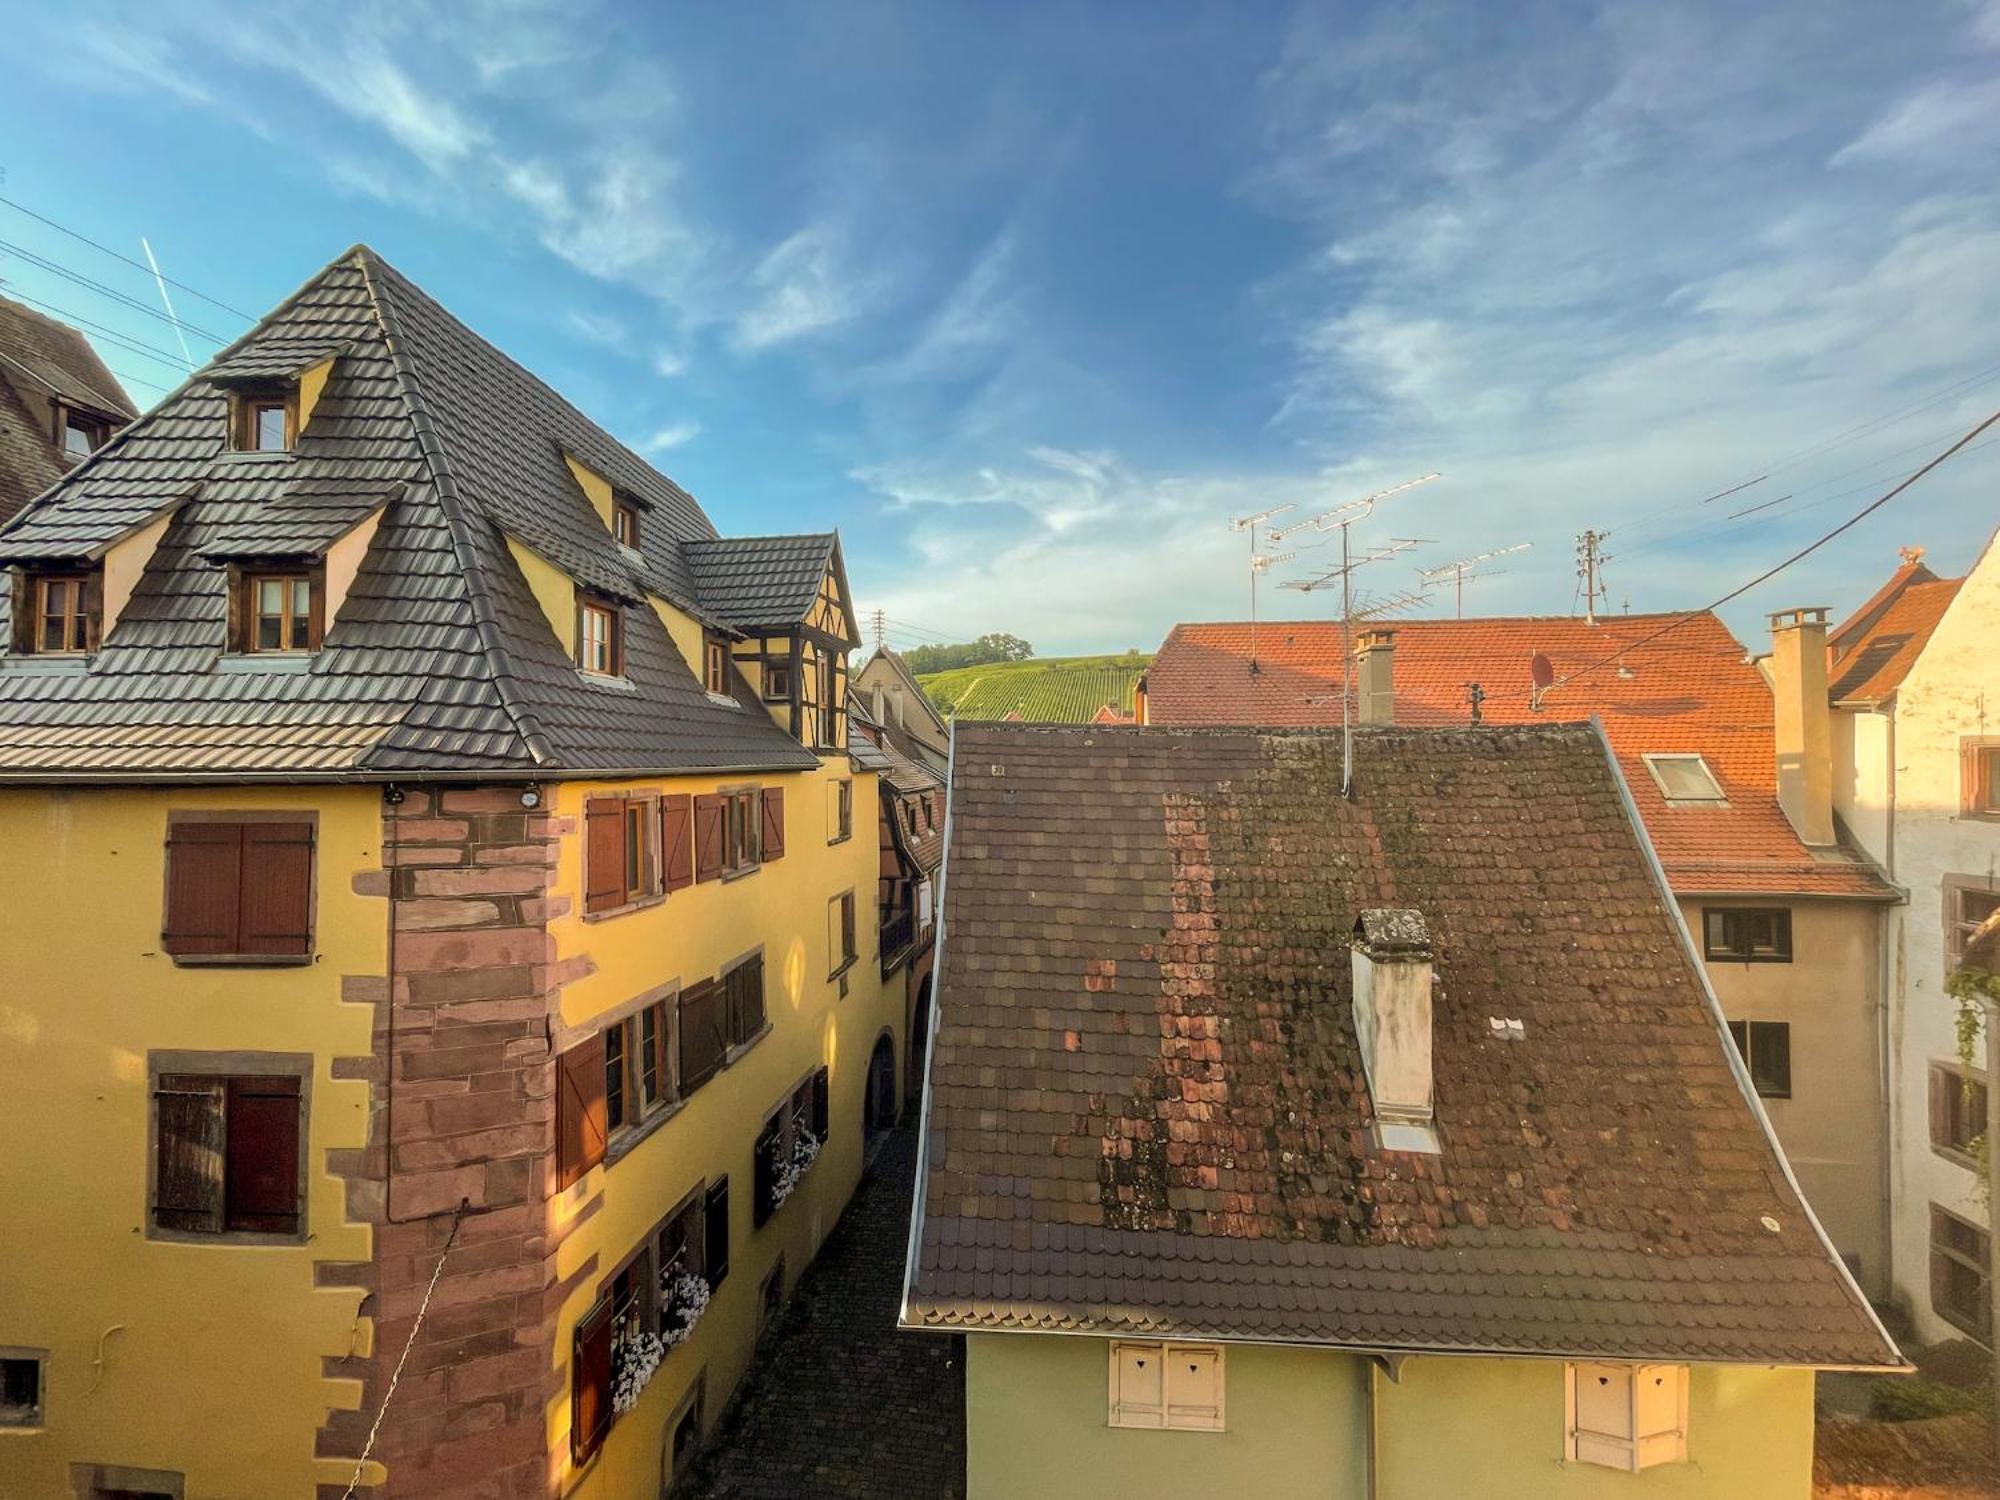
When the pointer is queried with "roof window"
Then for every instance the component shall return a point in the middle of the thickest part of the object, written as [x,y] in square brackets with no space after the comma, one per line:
[1685,779]
[81,434]
[264,418]
[625,523]
[61,613]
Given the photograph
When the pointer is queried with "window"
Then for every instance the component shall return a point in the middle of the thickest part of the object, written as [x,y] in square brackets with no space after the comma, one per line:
[743,987]
[840,934]
[282,610]
[226,1153]
[638,1067]
[81,434]
[264,420]
[1980,780]
[1684,778]
[238,890]
[600,638]
[621,866]
[1767,1047]
[778,680]
[840,810]
[21,1387]
[625,524]
[1176,1386]
[1748,935]
[1960,1262]
[788,1145]
[1958,1112]
[1627,1416]
[715,666]
[65,613]
[1966,908]
[120,1482]
[737,830]
[704,1018]
[683,1436]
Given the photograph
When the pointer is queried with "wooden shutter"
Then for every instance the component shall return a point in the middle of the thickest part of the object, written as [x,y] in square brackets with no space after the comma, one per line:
[746,1000]
[715,1233]
[704,1033]
[603,853]
[277,864]
[188,1168]
[847,926]
[774,823]
[707,837]
[262,1129]
[590,1382]
[819,1105]
[677,840]
[204,878]
[1943,1086]
[581,1129]
[764,1176]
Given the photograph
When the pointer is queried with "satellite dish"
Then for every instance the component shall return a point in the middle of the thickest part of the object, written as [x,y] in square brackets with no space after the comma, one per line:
[1541,670]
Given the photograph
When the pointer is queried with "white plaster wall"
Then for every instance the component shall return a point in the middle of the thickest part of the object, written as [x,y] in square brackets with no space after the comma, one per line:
[1861,778]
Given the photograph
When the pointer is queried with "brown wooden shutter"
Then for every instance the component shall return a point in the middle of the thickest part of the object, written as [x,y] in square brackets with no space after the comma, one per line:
[187,1175]
[746,1000]
[204,878]
[847,926]
[677,839]
[590,1382]
[277,865]
[704,1033]
[707,837]
[581,1129]
[819,1105]
[603,853]
[262,1127]
[774,823]
[715,1233]
[1942,1086]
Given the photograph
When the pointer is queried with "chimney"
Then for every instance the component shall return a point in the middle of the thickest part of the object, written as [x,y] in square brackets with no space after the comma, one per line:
[1375,676]
[1392,1018]
[1802,722]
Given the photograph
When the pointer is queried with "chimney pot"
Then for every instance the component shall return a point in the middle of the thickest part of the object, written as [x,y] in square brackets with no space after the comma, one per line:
[1393,976]
[1802,721]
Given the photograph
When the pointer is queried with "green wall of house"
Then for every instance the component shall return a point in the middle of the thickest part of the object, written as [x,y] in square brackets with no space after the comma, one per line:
[1036,1408]
[1297,1425]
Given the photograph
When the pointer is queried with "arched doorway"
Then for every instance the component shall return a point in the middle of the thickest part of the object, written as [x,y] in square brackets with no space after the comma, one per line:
[878,1101]
[920,1036]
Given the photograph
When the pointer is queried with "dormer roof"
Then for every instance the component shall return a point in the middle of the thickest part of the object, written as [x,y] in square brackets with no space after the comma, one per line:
[43,360]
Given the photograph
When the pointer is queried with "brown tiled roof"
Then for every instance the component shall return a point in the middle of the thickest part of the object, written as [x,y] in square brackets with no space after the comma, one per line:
[1872,651]
[39,359]
[1147,1109]
[1690,690]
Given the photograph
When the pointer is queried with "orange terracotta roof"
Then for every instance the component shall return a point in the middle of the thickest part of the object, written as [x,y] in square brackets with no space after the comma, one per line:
[1693,690]
[1874,649]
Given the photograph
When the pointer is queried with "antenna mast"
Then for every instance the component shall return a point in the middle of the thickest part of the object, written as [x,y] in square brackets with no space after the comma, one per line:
[1258,564]
[880,621]
[1342,519]
[1460,572]
[1590,568]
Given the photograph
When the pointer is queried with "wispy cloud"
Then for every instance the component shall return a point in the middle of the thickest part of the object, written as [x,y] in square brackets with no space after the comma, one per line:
[802,287]
[676,435]
[1939,117]
[609,332]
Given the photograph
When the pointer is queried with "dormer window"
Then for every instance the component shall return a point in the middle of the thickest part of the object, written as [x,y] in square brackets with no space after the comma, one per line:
[81,434]
[1685,780]
[264,419]
[778,680]
[600,642]
[61,619]
[283,612]
[715,666]
[625,524]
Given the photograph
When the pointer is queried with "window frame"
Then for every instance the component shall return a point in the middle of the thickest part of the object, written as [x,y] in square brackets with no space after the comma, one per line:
[226,1067]
[1973,1325]
[839,962]
[1979,778]
[68,419]
[591,607]
[81,626]
[627,521]
[1962,1093]
[840,797]
[777,675]
[245,426]
[715,666]
[1757,1060]
[742,830]
[34,1416]
[1957,927]
[249,584]
[1148,1417]
[1654,759]
[1716,922]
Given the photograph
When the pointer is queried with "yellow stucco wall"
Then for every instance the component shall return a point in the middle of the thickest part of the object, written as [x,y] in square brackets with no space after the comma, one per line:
[596,488]
[154,1345]
[1750,1435]
[312,385]
[552,589]
[687,937]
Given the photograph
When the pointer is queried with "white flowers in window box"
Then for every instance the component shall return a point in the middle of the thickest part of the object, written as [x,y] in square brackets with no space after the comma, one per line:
[791,1172]
[683,1299]
[635,1356]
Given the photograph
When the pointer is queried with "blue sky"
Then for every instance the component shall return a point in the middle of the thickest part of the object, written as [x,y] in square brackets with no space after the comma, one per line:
[1028,299]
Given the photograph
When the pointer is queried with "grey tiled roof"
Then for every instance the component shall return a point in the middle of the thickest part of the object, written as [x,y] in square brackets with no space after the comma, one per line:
[39,359]
[1148,1111]
[441,659]
[753,581]
[273,358]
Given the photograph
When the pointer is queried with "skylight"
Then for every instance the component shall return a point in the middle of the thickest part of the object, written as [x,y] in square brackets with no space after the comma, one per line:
[1685,779]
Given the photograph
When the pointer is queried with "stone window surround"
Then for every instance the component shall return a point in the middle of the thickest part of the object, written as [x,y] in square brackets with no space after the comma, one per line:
[94,1481]
[297,1065]
[657,858]
[1952,883]
[1969,746]
[41,1358]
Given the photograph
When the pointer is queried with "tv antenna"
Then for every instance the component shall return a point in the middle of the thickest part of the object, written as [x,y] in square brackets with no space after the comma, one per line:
[1258,564]
[1462,572]
[1342,518]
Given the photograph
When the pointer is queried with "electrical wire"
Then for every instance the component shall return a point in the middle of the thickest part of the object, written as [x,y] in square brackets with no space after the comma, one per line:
[135,265]
[56,269]
[1537,695]
[125,341]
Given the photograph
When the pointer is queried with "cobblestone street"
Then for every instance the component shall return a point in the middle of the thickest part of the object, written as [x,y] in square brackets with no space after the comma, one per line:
[839,1403]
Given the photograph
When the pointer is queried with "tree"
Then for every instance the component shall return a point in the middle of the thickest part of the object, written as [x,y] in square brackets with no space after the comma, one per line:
[992,647]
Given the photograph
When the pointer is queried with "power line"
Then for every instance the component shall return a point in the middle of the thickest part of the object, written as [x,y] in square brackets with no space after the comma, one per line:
[87,240]
[55,269]
[135,346]
[1538,694]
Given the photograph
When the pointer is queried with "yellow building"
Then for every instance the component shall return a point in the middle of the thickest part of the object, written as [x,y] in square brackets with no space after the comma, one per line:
[442,1005]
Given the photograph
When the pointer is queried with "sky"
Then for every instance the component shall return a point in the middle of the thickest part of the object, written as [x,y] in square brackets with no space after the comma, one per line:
[1030,300]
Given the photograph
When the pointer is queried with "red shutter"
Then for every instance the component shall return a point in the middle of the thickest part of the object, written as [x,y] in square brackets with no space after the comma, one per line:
[277,889]
[677,839]
[774,823]
[262,1191]
[603,853]
[707,837]
[187,1172]
[590,1382]
[204,875]
[580,1111]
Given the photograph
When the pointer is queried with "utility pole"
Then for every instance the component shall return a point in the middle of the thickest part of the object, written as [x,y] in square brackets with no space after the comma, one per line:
[1258,564]
[1590,568]
[881,623]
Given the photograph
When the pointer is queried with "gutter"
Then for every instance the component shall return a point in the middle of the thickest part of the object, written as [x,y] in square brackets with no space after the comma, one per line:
[922,1180]
[465,776]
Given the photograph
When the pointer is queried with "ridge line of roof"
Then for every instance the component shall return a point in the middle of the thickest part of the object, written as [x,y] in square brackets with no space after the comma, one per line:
[491,644]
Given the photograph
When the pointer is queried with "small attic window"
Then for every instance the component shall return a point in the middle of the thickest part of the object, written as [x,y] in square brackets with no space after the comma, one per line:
[281,611]
[82,434]
[625,523]
[264,419]
[1685,779]
[600,638]
[62,617]
[715,666]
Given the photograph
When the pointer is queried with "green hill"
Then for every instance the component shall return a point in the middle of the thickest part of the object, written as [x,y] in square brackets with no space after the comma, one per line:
[1052,689]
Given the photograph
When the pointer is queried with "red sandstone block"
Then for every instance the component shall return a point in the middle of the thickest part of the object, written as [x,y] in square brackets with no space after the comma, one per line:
[429,830]
[536,911]
[476,1149]
[438,1192]
[486,1110]
[530,1008]
[423,854]
[426,916]
[504,982]
[492,948]
[418,1063]
[500,880]
[516,854]
[480,1379]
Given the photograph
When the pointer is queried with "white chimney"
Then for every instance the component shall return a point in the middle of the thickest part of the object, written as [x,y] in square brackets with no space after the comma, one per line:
[1392,1018]
[1802,722]
[1375,676]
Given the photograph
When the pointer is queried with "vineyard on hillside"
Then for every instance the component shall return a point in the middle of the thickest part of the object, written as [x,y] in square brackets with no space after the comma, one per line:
[1056,689]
